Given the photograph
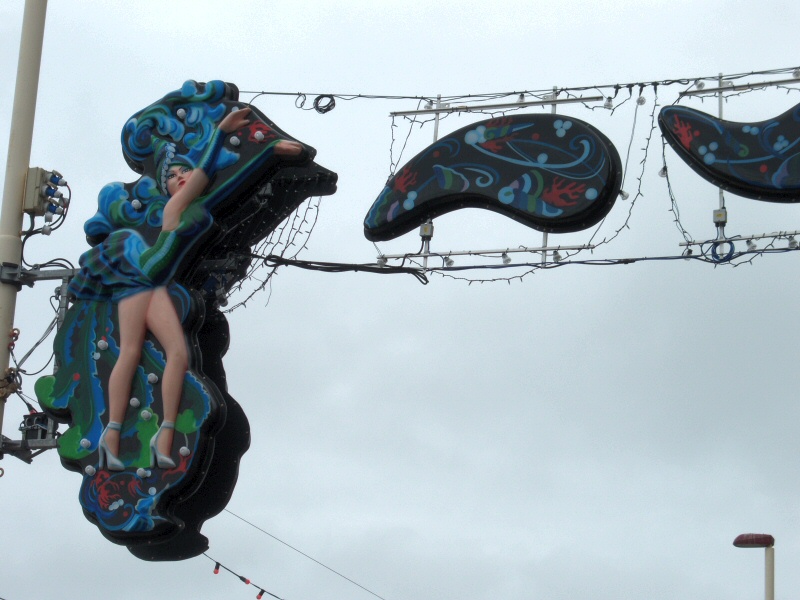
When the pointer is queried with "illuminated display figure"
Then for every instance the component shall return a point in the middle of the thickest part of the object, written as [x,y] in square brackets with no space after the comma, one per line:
[140,381]
[759,160]
[550,172]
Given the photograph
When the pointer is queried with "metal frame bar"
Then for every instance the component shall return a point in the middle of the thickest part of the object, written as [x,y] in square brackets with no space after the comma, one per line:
[737,88]
[483,252]
[465,108]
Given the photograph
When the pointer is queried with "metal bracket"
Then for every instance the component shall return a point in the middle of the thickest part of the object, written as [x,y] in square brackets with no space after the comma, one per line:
[26,450]
[13,275]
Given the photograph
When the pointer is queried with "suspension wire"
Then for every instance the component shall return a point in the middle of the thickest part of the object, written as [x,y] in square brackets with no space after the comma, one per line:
[265,532]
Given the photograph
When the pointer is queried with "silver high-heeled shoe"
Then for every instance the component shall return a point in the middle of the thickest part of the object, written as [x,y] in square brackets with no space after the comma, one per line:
[163,461]
[106,456]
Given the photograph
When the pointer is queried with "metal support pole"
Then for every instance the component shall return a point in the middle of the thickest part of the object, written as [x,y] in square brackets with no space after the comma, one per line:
[769,573]
[544,234]
[19,154]
[426,242]
[720,102]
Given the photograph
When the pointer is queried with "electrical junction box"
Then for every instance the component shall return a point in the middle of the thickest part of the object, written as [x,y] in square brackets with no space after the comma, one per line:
[720,216]
[426,230]
[34,203]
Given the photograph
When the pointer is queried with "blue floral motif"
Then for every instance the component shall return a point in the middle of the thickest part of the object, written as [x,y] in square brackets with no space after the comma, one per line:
[562,127]
[780,144]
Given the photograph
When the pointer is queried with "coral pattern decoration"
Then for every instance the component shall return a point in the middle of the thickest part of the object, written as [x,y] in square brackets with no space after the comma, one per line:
[759,160]
[150,498]
[552,173]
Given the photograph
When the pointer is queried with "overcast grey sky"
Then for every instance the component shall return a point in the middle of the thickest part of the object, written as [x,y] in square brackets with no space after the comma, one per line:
[585,433]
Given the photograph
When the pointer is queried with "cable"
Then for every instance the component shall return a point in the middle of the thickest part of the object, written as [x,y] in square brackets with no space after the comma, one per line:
[541,94]
[304,554]
[328,267]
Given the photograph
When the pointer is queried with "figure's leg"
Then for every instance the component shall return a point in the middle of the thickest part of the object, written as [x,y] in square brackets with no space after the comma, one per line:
[163,322]
[131,314]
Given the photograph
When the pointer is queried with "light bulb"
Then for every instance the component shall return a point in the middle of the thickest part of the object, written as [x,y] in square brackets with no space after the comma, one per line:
[792,242]
[608,104]
[556,256]
[506,258]
[663,172]
[641,100]
[381,261]
[699,84]
[448,261]
[796,73]
[751,245]
[624,195]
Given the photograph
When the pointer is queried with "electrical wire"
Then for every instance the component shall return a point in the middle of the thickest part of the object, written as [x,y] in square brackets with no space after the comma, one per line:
[304,554]
[329,267]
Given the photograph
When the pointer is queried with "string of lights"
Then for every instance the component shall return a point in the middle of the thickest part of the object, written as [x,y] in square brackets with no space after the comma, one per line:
[287,240]
[247,581]
[218,565]
[608,90]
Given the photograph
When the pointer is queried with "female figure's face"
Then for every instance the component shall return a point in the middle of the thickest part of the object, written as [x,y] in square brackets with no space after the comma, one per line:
[177,177]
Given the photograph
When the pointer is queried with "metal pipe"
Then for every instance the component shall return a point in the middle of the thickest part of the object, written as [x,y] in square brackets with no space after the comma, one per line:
[466,108]
[769,573]
[737,88]
[483,252]
[19,155]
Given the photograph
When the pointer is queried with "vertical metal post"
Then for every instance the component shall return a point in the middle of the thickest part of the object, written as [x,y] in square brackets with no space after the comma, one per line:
[19,154]
[426,243]
[720,102]
[544,234]
[769,573]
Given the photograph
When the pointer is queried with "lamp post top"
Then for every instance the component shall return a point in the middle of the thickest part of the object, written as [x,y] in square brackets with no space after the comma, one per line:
[754,540]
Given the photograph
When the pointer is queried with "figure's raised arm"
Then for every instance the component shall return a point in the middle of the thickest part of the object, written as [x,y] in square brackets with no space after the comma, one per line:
[185,184]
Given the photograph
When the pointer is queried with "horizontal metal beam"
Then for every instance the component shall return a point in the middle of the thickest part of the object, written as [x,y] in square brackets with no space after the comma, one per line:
[737,88]
[497,252]
[742,238]
[476,108]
